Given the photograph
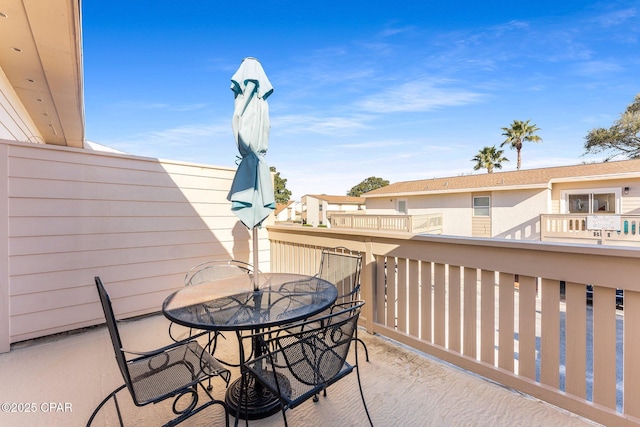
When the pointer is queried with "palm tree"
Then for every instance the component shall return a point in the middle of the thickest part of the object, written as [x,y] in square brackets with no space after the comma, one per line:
[489,158]
[519,133]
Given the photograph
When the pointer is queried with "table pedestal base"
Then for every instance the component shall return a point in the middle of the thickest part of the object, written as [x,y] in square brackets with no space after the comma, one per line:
[261,403]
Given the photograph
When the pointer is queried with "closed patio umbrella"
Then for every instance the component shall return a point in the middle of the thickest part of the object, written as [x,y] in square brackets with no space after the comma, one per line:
[251,195]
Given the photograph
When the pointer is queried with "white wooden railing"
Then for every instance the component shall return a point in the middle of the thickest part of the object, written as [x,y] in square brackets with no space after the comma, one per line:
[428,223]
[574,227]
[514,312]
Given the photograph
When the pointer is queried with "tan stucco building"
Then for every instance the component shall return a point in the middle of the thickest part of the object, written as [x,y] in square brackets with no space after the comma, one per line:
[513,205]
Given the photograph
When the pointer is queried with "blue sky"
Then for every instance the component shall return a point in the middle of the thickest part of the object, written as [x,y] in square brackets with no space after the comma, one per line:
[401,90]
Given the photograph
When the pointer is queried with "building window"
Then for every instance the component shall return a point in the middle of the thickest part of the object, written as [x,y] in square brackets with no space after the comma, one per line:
[602,201]
[481,206]
[401,207]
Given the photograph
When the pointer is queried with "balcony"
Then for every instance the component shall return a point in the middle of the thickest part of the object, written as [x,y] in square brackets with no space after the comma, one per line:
[402,387]
[429,223]
[620,230]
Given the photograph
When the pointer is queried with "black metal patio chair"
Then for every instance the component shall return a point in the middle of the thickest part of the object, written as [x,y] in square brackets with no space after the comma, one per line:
[342,268]
[210,271]
[174,371]
[298,366]
[217,269]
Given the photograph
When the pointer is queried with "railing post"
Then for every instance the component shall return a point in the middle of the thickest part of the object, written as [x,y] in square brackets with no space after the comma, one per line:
[367,284]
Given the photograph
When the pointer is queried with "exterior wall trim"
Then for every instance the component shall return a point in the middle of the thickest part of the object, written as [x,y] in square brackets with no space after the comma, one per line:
[5,320]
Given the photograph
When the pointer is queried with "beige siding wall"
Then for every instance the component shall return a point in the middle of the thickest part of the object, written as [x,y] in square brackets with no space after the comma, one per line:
[139,223]
[455,209]
[313,211]
[516,214]
[380,205]
[630,203]
[481,226]
[343,208]
[4,252]
[15,123]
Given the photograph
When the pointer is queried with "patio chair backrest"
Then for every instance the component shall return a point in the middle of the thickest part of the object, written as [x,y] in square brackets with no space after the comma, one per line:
[218,269]
[114,333]
[317,354]
[342,268]
[299,365]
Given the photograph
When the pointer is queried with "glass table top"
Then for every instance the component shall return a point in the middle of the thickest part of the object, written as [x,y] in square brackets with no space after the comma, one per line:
[232,304]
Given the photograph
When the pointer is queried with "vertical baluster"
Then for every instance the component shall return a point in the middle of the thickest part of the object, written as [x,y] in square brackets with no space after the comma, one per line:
[380,294]
[550,333]
[439,304]
[576,339]
[402,295]
[391,292]
[604,346]
[470,312]
[527,319]
[631,353]
[506,323]
[414,298]
[426,299]
[454,309]
[487,316]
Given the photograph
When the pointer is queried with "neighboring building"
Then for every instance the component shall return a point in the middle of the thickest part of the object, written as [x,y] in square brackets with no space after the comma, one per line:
[317,208]
[511,205]
[288,212]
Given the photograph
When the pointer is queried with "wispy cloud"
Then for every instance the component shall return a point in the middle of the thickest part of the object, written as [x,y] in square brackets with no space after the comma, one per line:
[419,96]
[509,27]
[598,68]
[184,133]
[154,144]
[292,124]
[616,17]
[374,144]
[141,105]
[393,30]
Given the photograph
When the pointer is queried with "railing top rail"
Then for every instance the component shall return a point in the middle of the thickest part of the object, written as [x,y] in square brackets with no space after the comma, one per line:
[560,261]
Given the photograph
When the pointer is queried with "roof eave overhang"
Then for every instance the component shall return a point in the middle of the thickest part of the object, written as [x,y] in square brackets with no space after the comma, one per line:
[538,186]
[42,59]
[602,177]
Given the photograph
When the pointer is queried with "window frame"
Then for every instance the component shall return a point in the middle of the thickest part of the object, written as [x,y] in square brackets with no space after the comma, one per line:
[475,207]
[406,207]
[565,207]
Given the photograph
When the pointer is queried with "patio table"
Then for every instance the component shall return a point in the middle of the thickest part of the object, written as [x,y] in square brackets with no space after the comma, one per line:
[230,304]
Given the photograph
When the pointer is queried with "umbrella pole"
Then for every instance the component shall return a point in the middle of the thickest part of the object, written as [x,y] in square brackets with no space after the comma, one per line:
[256,268]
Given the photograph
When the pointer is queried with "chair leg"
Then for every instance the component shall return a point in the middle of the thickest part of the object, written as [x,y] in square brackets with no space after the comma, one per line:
[366,352]
[362,396]
[104,401]
[284,416]
[357,368]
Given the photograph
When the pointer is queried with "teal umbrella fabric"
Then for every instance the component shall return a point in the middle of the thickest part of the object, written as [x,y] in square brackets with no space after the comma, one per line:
[251,195]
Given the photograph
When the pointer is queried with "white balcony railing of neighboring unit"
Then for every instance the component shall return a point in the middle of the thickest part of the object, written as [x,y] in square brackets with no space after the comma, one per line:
[428,223]
[512,311]
[575,226]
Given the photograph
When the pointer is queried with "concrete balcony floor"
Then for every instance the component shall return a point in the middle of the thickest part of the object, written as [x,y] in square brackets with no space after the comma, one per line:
[67,375]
